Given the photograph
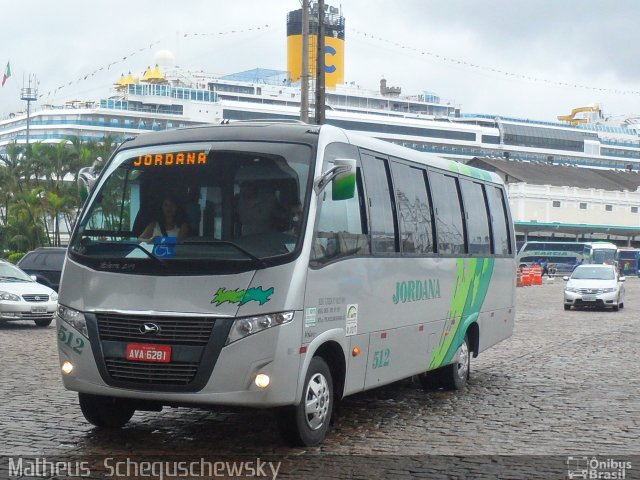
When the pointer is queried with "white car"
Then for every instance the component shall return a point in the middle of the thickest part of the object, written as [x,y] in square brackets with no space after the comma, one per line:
[22,298]
[594,286]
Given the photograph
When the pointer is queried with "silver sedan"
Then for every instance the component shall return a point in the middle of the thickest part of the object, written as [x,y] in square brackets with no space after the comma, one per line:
[22,298]
[594,286]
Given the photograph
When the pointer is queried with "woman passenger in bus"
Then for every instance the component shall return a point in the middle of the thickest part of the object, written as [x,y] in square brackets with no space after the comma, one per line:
[172,223]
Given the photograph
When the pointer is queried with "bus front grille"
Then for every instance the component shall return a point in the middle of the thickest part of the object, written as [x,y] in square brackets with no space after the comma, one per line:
[175,373]
[193,331]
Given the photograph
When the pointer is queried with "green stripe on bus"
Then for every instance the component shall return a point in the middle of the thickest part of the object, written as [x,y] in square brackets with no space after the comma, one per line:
[469,171]
[472,284]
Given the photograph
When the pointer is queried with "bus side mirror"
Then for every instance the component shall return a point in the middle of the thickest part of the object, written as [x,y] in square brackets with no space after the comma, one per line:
[86,181]
[87,178]
[342,177]
[622,279]
[565,278]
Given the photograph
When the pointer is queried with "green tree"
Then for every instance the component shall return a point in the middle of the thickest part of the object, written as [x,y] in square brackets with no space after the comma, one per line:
[38,189]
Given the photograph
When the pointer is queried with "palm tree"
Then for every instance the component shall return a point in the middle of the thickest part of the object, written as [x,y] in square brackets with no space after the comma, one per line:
[38,188]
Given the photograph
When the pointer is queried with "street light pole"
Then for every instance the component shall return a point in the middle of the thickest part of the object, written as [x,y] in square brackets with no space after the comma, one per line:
[29,94]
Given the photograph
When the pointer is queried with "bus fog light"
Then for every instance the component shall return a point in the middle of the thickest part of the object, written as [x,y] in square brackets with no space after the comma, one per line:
[67,367]
[262,380]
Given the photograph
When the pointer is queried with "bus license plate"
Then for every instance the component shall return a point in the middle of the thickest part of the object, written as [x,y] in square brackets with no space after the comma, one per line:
[145,352]
[589,298]
[38,309]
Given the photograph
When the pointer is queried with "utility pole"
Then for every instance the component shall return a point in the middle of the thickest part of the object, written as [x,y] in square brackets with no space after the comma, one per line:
[320,94]
[304,85]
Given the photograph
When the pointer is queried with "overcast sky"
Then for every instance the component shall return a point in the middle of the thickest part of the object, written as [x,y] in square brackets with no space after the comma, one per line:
[592,43]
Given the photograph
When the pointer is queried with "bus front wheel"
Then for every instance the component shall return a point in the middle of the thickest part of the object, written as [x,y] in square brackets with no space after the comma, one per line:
[307,423]
[106,412]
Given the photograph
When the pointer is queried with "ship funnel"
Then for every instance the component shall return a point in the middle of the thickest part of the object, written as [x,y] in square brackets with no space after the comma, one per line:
[333,44]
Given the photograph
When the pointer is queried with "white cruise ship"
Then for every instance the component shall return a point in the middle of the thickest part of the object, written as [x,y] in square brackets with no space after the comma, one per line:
[166,98]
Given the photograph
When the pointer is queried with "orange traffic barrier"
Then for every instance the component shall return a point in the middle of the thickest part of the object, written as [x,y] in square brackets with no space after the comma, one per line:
[527,278]
[537,279]
[519,282]
[539,275]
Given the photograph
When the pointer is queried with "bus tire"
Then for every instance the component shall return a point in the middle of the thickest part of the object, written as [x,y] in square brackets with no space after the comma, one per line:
[456,375]
[307,423]
[106,412]
[567,307]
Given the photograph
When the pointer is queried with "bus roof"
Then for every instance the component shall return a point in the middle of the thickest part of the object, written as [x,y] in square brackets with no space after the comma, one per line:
[424,158]
[302,133]
[239,131]
[603,245]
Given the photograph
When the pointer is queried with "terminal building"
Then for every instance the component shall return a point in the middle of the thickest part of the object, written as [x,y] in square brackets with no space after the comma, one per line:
[553,202]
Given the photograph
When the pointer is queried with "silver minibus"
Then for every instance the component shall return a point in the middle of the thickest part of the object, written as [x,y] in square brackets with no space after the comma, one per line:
[279,265]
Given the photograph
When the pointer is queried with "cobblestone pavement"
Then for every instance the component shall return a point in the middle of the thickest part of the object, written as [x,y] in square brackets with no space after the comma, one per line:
[566,383]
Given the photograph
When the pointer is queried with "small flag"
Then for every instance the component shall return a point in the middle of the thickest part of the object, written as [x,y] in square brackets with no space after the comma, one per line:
[7,74]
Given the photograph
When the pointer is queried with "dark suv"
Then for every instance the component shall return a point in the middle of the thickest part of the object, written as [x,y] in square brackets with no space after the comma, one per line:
[46,264]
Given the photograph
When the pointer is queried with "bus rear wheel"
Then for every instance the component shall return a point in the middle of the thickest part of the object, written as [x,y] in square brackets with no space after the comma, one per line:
[106,412]
[307,423]
[450,377]
[456,375]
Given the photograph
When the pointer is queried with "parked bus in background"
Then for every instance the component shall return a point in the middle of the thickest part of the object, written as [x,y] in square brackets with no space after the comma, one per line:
[562,257]
[600,252]
[290,265]
[628,260]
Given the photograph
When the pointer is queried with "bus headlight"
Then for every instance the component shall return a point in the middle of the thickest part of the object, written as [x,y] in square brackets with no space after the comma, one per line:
[243,327]
[74,318]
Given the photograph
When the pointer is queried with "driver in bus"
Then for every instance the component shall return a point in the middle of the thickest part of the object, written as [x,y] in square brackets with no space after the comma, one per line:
[258,210]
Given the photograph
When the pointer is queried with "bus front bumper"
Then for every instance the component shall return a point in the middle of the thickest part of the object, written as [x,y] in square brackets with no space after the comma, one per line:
[274,352]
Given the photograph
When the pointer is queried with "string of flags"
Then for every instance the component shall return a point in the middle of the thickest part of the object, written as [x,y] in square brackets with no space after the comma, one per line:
[261,27]
[136,52]
[498,71]
[98,70]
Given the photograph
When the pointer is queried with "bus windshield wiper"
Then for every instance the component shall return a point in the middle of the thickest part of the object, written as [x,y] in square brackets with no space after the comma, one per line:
[149,254]
[135,245]
[261,263]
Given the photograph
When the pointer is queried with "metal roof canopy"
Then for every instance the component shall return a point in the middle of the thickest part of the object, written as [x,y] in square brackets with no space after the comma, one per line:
[575,228]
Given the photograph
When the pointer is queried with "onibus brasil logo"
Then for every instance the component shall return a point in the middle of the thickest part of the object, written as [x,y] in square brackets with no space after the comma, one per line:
[241,297]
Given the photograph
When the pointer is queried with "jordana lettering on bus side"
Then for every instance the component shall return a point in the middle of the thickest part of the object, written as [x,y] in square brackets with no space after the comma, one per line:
[416,290]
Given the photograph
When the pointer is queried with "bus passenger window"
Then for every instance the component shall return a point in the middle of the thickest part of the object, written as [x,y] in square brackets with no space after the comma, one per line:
[414,209]
[501,234]
[384,239]
[477,218]
[449,226]
[340,231]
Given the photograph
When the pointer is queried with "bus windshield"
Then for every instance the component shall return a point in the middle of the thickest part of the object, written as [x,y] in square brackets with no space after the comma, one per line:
[604,255]
[197,207]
